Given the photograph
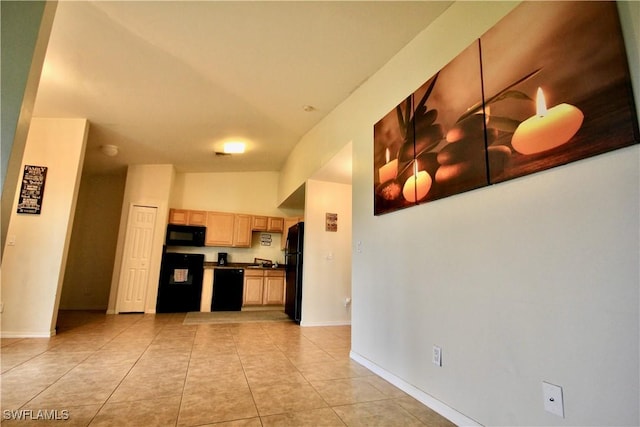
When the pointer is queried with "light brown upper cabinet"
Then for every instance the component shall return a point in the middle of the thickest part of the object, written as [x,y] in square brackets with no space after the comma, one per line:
[178,216]
[187,217]
[259,223]
[275,224]
[197,218]
[267,223]
[242,231]
[228,229]
[219,229]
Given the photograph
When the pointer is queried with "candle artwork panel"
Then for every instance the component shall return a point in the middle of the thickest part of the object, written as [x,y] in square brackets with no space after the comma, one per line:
[428,147]
[547,85]
[575,100]
[548,129]
[450,142]
[417,186]
[390,169]
[389,136]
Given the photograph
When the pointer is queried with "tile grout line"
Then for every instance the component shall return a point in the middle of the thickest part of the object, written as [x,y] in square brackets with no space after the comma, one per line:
[332,407]
[318,352]
[244,372]
[130,369]
[186,374]
[65,373]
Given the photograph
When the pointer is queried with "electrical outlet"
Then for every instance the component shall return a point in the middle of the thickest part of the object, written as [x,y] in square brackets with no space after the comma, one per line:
[553,402]
[359,247]
[437,356]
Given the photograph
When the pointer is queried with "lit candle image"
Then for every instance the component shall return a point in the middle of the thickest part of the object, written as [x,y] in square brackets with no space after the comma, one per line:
[548,129]
[417,185]
[389,170]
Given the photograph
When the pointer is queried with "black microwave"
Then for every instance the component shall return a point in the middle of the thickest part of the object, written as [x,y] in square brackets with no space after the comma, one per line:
[185,235]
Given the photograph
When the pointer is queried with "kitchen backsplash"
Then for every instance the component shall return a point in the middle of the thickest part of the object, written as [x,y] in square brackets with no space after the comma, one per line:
[244,255]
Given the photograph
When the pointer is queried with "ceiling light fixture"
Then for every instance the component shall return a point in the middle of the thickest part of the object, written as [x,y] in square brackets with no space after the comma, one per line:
[234,147]
[109,150]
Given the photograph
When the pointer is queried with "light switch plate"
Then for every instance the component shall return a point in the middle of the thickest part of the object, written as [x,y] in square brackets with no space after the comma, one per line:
[437,356]
[553,402]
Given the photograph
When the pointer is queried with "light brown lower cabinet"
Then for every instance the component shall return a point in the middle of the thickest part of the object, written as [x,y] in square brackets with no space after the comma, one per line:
[263,287]
[253,284]
[273,289]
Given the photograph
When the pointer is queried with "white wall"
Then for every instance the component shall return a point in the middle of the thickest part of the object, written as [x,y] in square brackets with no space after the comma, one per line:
[531,280]
[25,27]
[327,255]
[251,192]
[33,268]
[87,280]
[146,185]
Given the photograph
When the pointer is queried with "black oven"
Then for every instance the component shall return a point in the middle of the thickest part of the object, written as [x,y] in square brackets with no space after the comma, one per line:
[180,287]
[185,235]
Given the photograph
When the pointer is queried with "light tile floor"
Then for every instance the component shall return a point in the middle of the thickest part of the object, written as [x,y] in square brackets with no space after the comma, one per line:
[151,370]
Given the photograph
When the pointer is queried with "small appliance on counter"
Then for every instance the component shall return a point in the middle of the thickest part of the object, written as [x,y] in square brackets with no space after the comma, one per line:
[222,259]
[267,263]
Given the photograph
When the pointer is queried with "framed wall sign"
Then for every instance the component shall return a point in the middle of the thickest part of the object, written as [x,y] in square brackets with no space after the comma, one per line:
[32,191]
[331,222]
[265,239]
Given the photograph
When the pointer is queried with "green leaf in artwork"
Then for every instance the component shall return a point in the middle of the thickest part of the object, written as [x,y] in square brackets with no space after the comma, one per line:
[503,94]
[515,94]
[504,124]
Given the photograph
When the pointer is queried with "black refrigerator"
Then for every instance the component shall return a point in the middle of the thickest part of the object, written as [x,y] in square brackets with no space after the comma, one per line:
[293,259]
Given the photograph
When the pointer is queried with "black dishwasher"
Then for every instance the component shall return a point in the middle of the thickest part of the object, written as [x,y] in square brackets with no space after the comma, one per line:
[228,284]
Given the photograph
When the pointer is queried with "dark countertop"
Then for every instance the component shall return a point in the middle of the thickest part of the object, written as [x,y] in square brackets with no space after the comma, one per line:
[213,264]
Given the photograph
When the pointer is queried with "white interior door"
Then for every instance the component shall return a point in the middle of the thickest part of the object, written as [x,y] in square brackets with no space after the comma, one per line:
[134,275]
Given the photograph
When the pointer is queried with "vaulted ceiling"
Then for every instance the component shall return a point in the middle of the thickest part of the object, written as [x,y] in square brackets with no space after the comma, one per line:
[170,81]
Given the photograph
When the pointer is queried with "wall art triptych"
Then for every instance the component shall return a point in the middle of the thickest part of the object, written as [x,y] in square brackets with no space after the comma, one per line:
[548,85]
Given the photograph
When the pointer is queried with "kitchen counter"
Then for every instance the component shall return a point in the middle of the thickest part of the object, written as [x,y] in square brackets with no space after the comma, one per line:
[207,281]
[213,264]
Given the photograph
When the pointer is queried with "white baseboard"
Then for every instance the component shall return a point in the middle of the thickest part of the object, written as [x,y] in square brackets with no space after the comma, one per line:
[333,323]
[27,334]
[446,411]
